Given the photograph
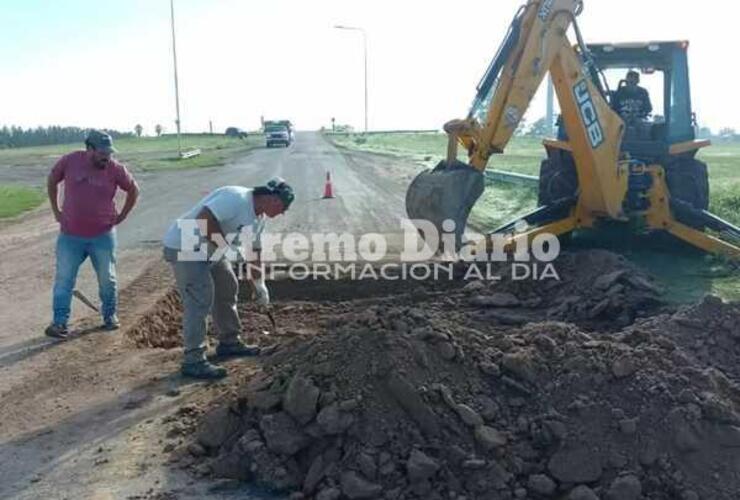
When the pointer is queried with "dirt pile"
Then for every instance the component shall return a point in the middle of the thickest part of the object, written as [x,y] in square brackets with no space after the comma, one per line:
[429,398]
[598,290]
[708,332]
[161,325]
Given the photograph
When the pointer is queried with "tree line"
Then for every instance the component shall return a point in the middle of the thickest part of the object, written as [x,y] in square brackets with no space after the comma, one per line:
[18,137]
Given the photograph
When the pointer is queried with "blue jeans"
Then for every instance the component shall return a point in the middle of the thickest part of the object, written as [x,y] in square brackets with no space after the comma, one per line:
[71,253]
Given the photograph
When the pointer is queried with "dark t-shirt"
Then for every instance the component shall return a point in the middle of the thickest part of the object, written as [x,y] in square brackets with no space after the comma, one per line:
[632,102]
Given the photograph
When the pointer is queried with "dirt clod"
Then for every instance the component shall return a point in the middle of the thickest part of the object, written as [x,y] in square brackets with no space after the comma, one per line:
[420,466]
[625,488]
[541,484]
[356,487]
[300,399]
[578,465]
[582,493]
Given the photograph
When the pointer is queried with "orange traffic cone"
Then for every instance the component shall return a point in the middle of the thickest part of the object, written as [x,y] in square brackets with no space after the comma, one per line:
[328,191]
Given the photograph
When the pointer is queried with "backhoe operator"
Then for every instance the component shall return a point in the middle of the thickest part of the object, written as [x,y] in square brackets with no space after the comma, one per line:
[632,101]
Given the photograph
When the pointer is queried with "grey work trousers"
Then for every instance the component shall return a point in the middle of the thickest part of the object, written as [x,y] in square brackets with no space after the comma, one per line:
[206,287]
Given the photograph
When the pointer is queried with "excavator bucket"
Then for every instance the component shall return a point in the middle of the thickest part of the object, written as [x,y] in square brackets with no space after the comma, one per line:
[447,192]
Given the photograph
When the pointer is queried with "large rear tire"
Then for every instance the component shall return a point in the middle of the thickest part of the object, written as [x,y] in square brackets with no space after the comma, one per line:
[688,181]
[558,180]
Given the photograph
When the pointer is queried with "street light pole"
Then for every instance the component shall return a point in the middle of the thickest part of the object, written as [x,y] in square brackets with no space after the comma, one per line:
[364,41]
[177,90]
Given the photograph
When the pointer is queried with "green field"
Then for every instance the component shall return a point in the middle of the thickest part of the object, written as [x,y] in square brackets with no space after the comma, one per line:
[147,153]
[724,179]
[15,200]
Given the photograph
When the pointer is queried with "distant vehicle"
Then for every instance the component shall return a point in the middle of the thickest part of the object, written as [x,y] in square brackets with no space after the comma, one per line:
[282,123]
[236,132]
[278,134]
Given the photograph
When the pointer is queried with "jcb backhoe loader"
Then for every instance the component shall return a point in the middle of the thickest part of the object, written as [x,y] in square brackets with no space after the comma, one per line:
[604,165]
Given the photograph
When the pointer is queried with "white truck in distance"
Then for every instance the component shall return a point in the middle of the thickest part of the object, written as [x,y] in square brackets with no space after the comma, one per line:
[279,132]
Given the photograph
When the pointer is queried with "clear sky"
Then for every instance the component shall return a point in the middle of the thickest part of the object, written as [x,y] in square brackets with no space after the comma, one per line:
[109,63]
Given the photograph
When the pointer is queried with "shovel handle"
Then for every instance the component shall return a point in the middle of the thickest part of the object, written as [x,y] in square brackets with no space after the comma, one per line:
[82,298]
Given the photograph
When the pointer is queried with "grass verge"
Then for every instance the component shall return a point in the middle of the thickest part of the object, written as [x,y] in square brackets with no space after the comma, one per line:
[147,153]
[723,161]
[15,200]
[161,154]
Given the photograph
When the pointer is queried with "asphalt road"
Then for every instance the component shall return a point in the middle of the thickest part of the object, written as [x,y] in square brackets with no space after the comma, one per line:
[363,203]
[366,200]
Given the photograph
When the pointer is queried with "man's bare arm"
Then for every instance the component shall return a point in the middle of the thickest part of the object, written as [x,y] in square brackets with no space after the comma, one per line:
[53,192]
[132,197]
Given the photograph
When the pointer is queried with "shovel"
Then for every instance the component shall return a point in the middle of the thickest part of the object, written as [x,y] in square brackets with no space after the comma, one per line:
[83,298]
[267,311]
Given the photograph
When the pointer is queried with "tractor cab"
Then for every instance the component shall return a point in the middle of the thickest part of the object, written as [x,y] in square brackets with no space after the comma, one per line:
[663,136]
[661,69]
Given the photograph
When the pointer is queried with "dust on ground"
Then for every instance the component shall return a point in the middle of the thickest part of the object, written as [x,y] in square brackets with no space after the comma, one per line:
[584,388]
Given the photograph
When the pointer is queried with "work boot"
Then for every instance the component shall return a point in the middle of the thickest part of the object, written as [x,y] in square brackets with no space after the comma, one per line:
[203,370]
[237,348]
[111,323]
[56,331]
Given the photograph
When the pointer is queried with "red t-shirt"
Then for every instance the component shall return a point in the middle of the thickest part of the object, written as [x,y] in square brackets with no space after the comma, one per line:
[89,209]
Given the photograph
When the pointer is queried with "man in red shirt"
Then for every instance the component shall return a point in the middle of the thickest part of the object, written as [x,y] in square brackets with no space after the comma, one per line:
[87,224]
